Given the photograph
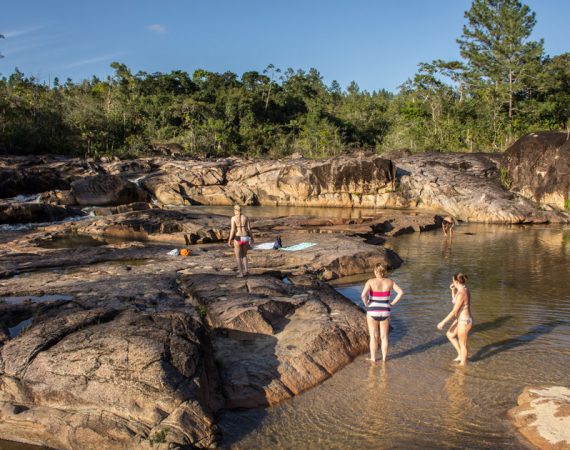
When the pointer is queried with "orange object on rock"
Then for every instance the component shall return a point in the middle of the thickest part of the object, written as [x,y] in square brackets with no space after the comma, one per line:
[184,252]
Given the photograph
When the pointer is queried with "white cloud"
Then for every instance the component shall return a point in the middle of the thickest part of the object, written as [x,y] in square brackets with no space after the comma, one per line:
[85,62]
[23,31]
[157,28]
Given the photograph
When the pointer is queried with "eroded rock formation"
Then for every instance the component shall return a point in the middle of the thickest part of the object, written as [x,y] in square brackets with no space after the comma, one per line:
[538,166]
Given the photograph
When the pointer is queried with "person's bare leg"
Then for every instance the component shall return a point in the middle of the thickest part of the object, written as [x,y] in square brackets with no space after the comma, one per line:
[244,260]
[373,331]
[237,252]
[384,333]
[463,335]
[452,336]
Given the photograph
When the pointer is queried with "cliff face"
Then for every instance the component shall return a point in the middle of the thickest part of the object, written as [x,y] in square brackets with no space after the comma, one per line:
[538,165]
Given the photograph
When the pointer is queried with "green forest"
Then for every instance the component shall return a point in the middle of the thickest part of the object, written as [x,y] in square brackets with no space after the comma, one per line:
[503,87]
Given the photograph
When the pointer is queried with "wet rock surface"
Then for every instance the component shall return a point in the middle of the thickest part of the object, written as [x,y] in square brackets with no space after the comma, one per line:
[543,416]
[538,166]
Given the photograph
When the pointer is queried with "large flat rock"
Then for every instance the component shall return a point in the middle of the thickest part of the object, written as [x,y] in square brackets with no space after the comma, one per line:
[273,340]
[543,416]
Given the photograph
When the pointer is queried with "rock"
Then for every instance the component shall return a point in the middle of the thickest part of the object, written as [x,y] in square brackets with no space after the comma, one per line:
[466,186]
[58,198]
[108,211]
[107,379]
[35,213]
[538,165]
[106,190]
[543,416]
[341,181]
[35,174]
[272,340]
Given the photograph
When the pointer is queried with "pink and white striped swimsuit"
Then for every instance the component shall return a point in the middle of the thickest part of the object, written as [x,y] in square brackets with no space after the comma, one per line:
[378,305]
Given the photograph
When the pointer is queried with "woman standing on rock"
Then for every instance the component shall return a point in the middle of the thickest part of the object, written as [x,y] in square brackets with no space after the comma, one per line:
[458,333]
[241,239]
[376,298]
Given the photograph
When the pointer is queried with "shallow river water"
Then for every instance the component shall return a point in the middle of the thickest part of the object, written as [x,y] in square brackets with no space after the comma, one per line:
[519,280]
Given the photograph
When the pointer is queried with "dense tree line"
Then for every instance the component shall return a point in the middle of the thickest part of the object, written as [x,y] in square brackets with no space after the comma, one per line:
[503,87]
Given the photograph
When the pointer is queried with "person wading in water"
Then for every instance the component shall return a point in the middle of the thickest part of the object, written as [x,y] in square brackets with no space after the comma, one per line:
[376,298]
[458,332]
[240,239]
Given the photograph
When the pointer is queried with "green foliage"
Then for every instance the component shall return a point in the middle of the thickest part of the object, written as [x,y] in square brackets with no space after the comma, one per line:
[505,178]
[159,437]
[202,311]
[567,204]
[503,88]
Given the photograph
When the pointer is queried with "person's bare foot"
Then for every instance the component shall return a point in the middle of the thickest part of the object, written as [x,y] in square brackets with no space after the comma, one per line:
[371,359]
[240,275]
[458,359]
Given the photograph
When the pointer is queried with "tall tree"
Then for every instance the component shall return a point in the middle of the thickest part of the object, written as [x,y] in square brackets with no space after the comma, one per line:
[497,47]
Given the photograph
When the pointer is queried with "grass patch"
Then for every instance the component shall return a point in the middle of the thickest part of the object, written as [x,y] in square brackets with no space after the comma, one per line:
[506,180]
[202,311]
[159,437]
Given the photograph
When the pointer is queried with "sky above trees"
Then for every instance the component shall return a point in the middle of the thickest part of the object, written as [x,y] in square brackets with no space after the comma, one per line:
[377,44]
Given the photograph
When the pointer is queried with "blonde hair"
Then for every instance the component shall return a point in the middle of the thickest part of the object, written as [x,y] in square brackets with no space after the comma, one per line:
[237,208]
[460,278]
[380,269]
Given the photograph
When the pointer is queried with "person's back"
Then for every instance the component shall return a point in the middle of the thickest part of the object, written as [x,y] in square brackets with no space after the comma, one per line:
[383,285]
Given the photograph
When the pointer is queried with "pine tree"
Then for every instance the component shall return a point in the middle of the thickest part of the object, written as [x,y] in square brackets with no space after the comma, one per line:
[497,47]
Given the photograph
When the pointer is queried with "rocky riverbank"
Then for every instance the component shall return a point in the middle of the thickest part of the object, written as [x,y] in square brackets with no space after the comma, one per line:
[110,343]
[472,187]
[106,341]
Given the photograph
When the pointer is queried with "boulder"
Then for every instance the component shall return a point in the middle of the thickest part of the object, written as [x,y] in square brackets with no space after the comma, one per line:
[543,416]
[342,181]
[466,186]
[273,340]
[105,378]
[35,174]
[58,197]
[538,167]
[106,190]
[13,213]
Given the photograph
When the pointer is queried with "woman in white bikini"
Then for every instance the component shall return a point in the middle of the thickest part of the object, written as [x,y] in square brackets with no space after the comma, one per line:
[240,239]
[376,298]
[458,332]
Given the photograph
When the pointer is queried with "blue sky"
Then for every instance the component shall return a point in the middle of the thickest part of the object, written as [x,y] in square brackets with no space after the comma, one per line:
[376,43]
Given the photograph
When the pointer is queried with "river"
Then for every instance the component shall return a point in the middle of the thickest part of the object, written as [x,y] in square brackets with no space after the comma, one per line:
[420,399]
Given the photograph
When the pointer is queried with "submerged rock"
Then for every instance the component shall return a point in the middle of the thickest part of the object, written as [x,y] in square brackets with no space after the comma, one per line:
[538,165]
[543,416]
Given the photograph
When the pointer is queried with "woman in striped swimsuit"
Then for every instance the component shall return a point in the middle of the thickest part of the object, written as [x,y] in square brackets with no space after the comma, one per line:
[376,298]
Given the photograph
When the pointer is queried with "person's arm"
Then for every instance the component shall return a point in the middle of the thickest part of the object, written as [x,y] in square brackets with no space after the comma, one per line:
[232,231]
[364,294]
[443,228]
[459,300]
[399,291]
[453,292]
[249,233]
